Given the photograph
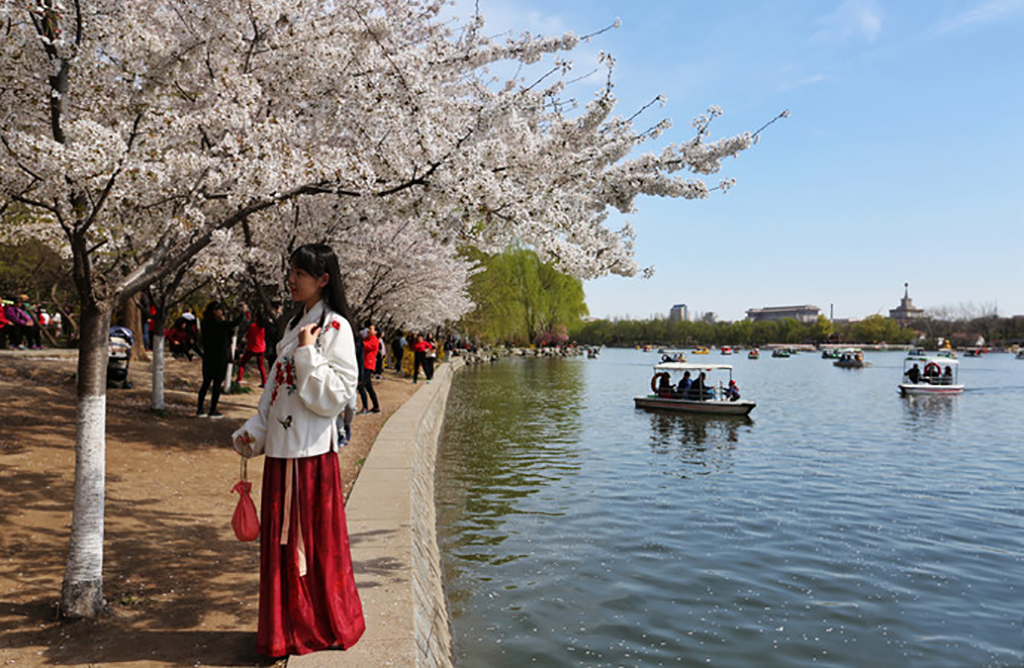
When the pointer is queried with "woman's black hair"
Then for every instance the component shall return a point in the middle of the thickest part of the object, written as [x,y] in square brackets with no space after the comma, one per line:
[210,308]
[317,260]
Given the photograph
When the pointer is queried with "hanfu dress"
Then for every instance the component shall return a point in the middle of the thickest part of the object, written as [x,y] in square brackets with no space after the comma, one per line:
[308,597]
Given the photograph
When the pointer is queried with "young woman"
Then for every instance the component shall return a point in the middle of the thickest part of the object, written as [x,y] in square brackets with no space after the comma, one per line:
[308,597]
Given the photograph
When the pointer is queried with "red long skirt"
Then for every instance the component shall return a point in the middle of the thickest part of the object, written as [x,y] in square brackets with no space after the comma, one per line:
[321,609]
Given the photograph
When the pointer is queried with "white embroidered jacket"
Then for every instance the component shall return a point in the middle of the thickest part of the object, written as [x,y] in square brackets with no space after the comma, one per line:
[308,387]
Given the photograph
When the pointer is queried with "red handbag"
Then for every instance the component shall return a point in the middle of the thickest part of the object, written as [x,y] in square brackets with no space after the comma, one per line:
[245,522]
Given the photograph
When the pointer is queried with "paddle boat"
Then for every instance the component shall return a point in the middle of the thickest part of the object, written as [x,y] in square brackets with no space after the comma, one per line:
[780,352]
[830,354]
[669,355]
[701,351]
[923,375]
[721,400]
[726,350]
[754,354]
[851,358]
[1020,354]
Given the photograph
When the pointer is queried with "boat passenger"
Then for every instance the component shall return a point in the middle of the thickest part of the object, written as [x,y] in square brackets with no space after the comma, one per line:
[932,373]
[684,384]
[664,385]
[698,388]
[913,374]
[947,376]
[732,393]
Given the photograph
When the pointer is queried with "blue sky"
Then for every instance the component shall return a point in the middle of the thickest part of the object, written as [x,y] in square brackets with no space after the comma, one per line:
[901,161]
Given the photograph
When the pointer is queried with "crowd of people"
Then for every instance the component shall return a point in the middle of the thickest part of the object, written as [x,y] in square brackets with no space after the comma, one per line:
[411,353]
[22,324]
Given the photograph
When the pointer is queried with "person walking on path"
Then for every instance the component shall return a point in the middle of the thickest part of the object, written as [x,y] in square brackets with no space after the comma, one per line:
[255,346]
[216,339]
[371,346]
[308,596]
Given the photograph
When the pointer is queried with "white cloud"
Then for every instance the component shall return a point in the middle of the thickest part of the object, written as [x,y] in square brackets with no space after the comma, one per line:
[787,86]
[988,12]
[854,17]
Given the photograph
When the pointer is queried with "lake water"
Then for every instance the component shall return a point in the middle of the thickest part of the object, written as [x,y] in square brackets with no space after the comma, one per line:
[839,525]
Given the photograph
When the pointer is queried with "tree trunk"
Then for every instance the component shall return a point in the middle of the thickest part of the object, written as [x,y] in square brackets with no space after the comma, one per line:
[134,321]
[82,591]
[230,378]
[157,402]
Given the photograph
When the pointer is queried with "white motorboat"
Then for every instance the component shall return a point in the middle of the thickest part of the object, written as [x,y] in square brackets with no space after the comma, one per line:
[923,375]
[702,396]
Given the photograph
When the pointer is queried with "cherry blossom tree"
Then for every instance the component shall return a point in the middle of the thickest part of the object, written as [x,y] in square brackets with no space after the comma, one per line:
[397,274]
[138,136]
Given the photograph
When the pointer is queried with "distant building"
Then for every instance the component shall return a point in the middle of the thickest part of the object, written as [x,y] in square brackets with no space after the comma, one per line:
[906,313]
[679,312]
[804,314]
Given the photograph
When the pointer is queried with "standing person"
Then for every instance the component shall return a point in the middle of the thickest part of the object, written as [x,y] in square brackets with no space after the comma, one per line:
[398,349]
[31,331]
[378,370]
[429,358]
[371,345]
[190,326]
[216,338]
[306,605]
[255,346]
[420,348]
[418,354]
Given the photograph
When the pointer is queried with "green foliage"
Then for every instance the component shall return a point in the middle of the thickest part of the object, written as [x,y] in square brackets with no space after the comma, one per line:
[519,298]
[34,269]
[661,331]
[878,329]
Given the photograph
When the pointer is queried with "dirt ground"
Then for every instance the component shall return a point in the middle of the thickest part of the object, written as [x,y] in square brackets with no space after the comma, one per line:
[181,589]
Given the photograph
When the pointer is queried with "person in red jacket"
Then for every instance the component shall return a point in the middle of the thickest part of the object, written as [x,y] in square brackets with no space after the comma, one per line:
[255,346]
[421,348]
[371,345]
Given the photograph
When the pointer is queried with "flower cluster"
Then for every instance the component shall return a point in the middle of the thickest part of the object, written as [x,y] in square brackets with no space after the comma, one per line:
[167,123]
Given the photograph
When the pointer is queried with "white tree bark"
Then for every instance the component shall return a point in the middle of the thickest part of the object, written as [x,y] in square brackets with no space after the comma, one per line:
[157,400]
[232,350]
[82,591]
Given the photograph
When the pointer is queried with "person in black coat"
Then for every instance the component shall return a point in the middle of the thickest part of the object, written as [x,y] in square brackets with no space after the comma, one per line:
[216,340]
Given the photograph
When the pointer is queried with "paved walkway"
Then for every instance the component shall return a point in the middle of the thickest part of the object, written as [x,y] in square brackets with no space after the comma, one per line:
[392,528]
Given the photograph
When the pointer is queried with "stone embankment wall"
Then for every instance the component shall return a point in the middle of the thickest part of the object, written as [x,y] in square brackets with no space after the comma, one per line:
[430,613]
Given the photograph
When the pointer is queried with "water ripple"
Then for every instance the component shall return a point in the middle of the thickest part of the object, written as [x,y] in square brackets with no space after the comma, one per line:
[840,525]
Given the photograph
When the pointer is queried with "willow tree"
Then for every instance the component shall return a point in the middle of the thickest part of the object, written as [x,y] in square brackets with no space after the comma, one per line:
[518,297]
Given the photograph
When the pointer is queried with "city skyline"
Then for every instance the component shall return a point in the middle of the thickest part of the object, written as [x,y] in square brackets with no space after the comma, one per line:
[899,162]
[904,310]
